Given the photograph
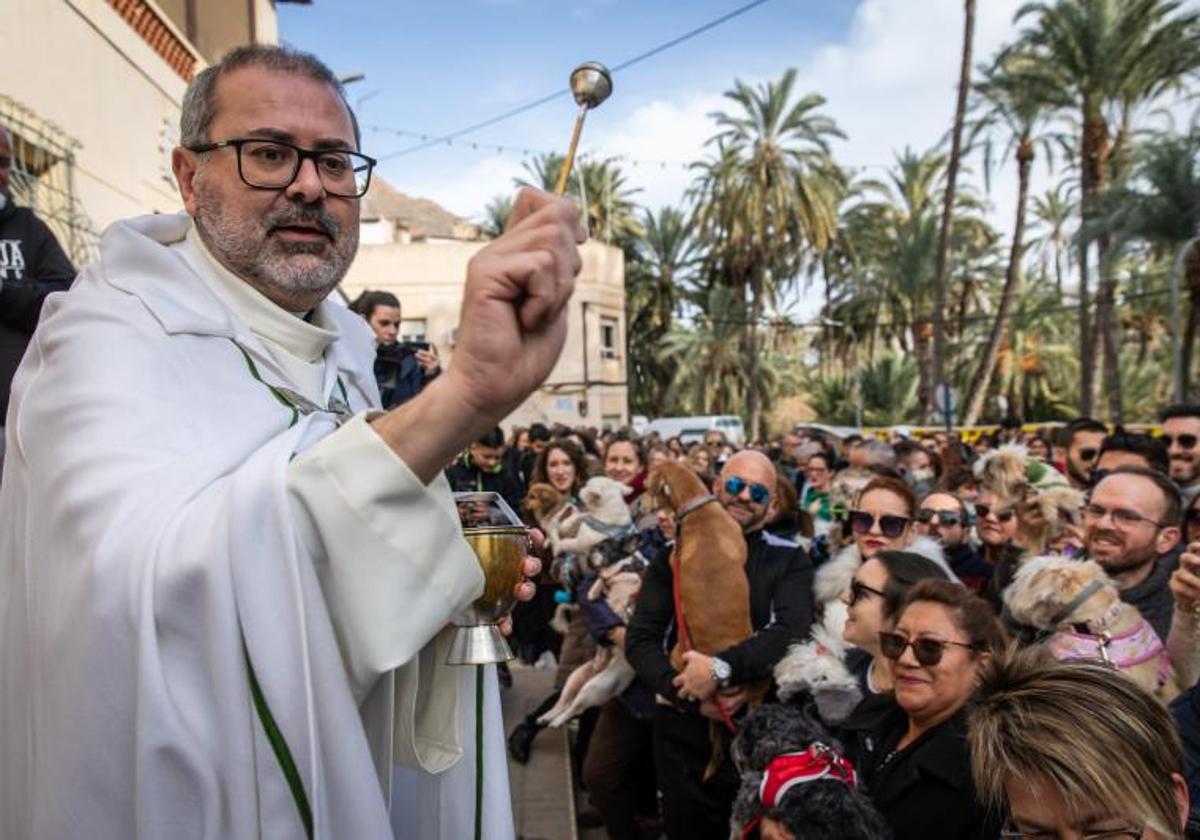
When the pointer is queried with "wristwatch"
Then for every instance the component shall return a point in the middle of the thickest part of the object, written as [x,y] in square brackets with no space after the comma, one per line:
[721,672]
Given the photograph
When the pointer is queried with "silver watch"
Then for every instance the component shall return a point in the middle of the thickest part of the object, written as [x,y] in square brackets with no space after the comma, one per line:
[721,672]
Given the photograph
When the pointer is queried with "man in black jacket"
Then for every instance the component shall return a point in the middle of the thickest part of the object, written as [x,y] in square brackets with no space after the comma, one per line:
[32,265]
[781,610]
[482,468]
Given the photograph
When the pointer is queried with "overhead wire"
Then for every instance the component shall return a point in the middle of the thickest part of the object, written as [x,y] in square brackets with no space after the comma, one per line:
[550,97]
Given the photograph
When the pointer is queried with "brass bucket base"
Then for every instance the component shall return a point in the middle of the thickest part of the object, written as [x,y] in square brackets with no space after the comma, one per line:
[478,644]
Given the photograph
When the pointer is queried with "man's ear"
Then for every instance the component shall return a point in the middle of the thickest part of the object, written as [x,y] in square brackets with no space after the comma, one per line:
[1167,539]
[185,165]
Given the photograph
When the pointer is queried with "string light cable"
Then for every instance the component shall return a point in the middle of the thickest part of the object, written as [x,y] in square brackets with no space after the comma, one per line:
[537,103]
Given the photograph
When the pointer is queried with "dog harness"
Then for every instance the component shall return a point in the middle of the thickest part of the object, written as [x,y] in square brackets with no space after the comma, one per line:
[786,771]
[1141,644]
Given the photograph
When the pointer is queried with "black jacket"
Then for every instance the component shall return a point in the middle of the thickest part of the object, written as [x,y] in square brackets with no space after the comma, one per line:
[32,265]
[399,375]
[781,611]
[924,790]
[465,477]
[1186,711]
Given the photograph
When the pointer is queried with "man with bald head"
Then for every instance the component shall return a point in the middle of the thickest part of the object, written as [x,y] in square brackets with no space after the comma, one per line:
[781,608]
[32,265]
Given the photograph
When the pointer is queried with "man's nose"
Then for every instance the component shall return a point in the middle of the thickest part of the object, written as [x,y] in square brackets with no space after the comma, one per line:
[307,185]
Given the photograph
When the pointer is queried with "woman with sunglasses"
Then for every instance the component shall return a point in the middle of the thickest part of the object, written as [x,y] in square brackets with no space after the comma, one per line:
[915,762]
[875,595]
[881,519]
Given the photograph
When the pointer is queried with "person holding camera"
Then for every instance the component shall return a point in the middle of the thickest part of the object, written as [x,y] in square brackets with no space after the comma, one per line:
[402,368]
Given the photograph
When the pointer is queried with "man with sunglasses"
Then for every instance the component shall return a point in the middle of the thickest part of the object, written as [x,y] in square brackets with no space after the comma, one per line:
[220,563]
[781,609]
[943,517]
[1083,437]
[1181,433]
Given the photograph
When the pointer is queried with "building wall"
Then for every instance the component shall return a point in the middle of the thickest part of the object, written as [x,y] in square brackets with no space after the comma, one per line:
[82,67]
[428,279]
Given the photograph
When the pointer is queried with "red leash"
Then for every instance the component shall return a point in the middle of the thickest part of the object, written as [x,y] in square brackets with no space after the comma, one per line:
[685,636]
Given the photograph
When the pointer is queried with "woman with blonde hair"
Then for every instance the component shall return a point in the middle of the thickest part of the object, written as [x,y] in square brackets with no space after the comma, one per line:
[1075,749]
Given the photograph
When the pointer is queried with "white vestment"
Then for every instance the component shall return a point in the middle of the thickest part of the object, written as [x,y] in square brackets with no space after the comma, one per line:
[171,527]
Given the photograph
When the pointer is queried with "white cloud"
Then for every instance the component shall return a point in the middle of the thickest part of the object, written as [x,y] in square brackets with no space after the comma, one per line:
[470,189]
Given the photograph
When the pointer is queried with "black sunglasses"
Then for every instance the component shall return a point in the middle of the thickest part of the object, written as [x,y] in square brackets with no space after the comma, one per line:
[859,590]
[984,511]
[944,517]
[759,493]
[1090,454]
[1184,441]
[928,652]
[892,526]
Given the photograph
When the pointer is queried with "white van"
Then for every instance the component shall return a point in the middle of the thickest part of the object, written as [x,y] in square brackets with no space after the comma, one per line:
[693,429]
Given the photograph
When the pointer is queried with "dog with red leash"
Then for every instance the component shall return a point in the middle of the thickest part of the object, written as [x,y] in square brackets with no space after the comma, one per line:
[713,617]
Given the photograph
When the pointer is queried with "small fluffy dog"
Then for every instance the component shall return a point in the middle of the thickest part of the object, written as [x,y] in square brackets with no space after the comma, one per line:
[541,503]
[817,667]
[1081,615]
[709,560]
[817,800]
[603,515]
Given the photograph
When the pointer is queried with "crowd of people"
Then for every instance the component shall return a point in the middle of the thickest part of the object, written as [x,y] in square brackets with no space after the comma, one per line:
[890,589]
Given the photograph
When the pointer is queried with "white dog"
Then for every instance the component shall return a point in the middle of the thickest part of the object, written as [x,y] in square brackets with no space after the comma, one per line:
[604,514]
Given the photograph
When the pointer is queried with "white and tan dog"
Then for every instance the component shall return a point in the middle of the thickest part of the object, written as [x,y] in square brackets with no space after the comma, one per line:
[1079,610]
[607,673]
[594,534]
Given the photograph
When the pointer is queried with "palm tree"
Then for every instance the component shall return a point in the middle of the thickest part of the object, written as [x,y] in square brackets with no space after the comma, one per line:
[599,186]
[495,216]
[1053,210]
[1161,208]
[665,258]
[711,374]
[1013,90]
[1106,55]
[943,253]
[769,196]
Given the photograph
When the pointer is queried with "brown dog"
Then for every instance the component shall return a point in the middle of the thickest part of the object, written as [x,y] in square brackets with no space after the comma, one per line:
[541,502]
[709,562]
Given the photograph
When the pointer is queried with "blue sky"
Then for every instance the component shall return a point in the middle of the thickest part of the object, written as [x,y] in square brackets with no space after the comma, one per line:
[888,68]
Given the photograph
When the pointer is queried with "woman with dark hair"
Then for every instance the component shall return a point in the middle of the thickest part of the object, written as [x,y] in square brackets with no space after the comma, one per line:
[876,594]
[915,762]
[561,465]
[401,370]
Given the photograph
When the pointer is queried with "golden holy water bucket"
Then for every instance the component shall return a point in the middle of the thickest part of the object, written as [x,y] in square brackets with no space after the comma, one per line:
[501,550]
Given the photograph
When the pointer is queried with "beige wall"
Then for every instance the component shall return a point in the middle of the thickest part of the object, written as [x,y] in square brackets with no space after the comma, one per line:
[428,278]
[79,65]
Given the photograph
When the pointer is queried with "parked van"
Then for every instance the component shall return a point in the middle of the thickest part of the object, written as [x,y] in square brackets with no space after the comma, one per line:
[693,429]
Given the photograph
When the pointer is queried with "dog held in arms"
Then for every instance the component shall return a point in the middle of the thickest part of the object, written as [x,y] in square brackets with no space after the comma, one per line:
[1080,615]
[600,534]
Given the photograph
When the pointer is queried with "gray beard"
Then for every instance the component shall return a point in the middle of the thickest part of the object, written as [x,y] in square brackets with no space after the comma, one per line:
[251,254]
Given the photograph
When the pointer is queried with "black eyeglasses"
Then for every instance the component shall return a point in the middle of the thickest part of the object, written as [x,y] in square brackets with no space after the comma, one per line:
[759,493]
[892,526]
[1123,518]
[928,652]
[1004,516]
[859,590]
[946,518]
[274,165]
[1184,441]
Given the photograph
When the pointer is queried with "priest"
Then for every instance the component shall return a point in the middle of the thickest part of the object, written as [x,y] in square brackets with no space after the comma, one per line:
[226,577]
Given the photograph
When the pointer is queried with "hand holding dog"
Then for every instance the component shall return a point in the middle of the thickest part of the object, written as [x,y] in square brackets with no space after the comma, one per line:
[731,699]
[695,682]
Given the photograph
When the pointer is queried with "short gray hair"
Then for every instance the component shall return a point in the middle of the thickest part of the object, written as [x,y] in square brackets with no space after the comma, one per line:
[199,102]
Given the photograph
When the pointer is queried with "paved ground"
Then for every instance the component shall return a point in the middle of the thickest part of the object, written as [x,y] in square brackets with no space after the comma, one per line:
[543,804]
